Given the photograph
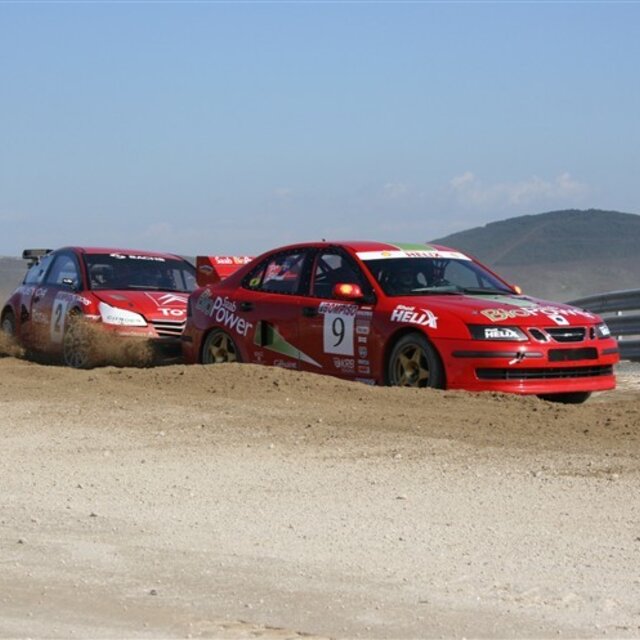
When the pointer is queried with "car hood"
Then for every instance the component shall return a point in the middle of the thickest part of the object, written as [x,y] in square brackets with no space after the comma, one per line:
[151,304]
[501,309]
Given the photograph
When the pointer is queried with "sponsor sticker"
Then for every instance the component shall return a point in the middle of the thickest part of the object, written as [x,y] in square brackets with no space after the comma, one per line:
[414,315]
[555,314]
[426,253]
[346,365]
[337,330]
[58,317]
[223,312]
[122,256]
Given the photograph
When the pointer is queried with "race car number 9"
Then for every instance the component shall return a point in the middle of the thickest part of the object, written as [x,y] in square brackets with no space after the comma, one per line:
[338,333]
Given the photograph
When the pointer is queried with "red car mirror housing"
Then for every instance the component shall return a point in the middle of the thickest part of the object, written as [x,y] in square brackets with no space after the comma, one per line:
[346,291]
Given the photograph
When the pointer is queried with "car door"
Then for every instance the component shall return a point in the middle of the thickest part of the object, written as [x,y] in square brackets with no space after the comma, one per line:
[271,301]
[51,301]
[31,290]
[334,332]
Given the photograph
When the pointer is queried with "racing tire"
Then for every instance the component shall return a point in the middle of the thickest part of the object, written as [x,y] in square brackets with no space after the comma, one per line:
[219,347]
[9,324]
[574,397]
[77,348]
[415,363]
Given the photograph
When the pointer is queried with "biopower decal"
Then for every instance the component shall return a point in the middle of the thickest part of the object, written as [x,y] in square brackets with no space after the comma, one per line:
[523,308]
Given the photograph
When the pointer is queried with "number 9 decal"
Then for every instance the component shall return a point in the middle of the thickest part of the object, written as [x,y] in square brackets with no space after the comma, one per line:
[338,333]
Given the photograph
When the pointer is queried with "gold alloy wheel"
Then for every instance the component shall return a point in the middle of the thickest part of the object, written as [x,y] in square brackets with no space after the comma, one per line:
[411,367]
[219,347]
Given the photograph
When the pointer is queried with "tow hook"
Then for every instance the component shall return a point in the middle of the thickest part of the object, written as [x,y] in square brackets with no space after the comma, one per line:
[519,358]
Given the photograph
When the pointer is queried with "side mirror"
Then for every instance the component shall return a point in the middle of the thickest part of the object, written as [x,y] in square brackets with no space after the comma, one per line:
[517,289]
[346,291]
[69,283]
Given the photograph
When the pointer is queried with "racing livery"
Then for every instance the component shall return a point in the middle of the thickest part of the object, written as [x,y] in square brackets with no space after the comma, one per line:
[400,314]
[136,294]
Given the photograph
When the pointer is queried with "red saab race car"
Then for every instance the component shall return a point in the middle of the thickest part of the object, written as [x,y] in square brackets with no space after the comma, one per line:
[130,293]
[400,314]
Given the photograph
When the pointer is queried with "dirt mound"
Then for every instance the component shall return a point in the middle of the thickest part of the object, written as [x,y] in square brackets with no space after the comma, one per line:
[9,347]
[237,501]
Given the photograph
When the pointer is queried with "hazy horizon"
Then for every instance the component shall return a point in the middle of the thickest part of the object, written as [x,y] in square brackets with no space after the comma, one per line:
[234,127]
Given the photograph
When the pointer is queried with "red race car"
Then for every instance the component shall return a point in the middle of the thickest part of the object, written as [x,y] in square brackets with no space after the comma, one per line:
[400,314]
[137,294]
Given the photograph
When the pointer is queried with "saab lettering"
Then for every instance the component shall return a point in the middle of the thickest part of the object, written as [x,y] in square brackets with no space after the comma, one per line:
[223,311]
[414,315]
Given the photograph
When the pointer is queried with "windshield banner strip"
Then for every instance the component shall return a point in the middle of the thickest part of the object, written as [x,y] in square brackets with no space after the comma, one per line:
[434,253]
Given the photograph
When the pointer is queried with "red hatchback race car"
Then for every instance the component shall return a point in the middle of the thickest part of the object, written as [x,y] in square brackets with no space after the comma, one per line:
[399,314]
[136,294]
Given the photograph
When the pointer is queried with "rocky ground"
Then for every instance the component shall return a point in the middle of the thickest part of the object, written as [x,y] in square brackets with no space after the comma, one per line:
[240,502]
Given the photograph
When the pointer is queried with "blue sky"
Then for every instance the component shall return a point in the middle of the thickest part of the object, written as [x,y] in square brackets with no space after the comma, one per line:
[236,127]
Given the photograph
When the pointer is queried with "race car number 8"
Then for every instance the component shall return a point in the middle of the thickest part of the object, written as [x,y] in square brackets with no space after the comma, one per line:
[338,333]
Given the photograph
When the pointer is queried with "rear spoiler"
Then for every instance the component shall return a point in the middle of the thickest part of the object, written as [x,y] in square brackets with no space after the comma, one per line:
[33,255]
[212,269]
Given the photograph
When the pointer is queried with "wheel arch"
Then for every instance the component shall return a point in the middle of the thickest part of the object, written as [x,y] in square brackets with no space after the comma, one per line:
[391,343]
[7,309]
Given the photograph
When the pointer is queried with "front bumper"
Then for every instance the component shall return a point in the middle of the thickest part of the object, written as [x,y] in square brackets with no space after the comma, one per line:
[529,368]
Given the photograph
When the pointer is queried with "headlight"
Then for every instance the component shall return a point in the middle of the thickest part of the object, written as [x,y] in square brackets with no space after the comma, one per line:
[602,331]
[122,317]
[482,332]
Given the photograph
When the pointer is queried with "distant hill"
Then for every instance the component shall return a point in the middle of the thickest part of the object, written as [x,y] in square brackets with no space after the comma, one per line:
[560,254]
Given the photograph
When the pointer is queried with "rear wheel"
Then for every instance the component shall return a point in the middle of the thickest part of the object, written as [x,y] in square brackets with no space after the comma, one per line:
[415,363]
[77,348]
[575,397]
[219,347]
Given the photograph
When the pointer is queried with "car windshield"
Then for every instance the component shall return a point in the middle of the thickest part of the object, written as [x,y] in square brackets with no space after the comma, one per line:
[139,272]
[428,276]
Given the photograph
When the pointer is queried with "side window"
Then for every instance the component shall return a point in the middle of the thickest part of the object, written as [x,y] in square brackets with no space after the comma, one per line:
[64,271]
[332,268]
[35,275]
[281,273]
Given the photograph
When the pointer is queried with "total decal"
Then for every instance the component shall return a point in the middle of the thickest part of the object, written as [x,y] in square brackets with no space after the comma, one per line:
[170,304]
[224,312]
[338,327]
[414,315]
[555,314]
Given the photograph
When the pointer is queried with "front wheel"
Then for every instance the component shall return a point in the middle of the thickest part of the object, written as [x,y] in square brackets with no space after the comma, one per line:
[219,347]
[575,397]
[77,345]
[415,363]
